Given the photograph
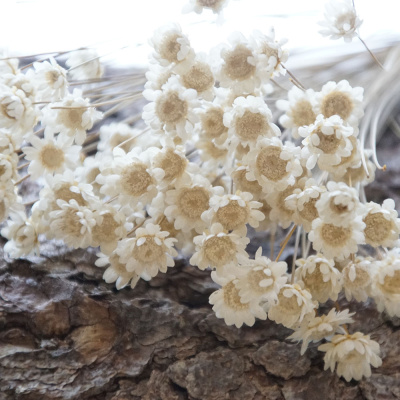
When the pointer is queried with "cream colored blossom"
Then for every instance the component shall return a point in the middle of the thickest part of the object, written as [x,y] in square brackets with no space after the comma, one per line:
[313,329]
[339,204]
[382,225]
[261,280]
[298,110]
[294,303]
[337,241]
[386,284]
[149,252]
[227,303]
[326,142]
[218,249]
[320,277]
[273,164]
[353,355]
[84,64]
[357,278]
[234,211]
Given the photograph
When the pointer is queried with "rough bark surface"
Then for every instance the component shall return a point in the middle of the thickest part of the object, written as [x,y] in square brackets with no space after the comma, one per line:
[65,334]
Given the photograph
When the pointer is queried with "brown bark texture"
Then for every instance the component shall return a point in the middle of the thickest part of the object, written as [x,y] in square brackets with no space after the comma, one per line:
[66,334]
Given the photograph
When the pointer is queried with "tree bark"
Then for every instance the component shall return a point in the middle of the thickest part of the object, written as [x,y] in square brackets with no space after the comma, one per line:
[66,334]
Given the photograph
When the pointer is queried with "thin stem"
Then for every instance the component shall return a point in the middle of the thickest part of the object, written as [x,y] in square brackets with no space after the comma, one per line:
[296,249]
[136,227]
[22,179]
[371,53]
[286,241]
[298,83]
[23,165]
[272,245]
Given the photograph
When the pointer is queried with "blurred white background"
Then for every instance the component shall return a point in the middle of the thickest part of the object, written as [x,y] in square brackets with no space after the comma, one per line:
[36,26]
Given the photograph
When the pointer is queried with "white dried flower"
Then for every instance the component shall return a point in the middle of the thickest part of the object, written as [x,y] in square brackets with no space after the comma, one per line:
[382,227]
[320,277]
[352,354]
[149,252]
[248,120]
[341,20]
[116,272]
[298,110]
[84,65]
[337,241]
[314,329]
[339,204]
[273,164]
[386,284]
[72,116]
[187,203]
[235,64]
[50,80]
[51,154]
[302,202]
[357,278]
[170,45]
[216,6]
[22,236]
[294,303]
[261,280]
[229,305]
[326,142]
[234,211]
[171,109]
[218,249]
[340,99]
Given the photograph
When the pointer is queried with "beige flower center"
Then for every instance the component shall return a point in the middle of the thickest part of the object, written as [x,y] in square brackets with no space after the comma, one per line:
[169,47]
[149,251]
[208,3]
[265,209]
[254,277]
[232,216]
[337,103]
[65,193]
[236,65]
[51,157]
[52,77]
[232,298]
[219,250]
[213,151]
[105,232]
[70,223]
[170,108]
[251,125]
[135,179]
[335,236]
[338,209]
[302,113]
[193,202]
[241,182]
[287,213]
[212,123]
[270,165]
[2,210]
[71,118]
[288,304]
[377,228]
[327,143]
[199,77]
[309,211]
[173,164]
[362,279]
[117,139]
[391,284]
[314,283]
[167,226]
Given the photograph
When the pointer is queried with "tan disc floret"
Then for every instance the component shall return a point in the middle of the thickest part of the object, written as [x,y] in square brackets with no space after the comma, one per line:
[219,249]
[382,227]
[352,354]
[357,278]
[227,303]
[320,277]
[273,164]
